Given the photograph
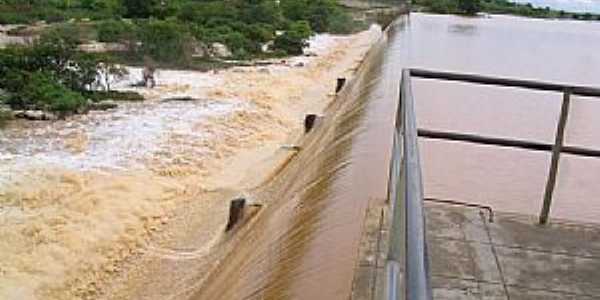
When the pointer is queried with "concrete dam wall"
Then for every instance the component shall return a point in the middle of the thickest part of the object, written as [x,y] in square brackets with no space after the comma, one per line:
[303,243]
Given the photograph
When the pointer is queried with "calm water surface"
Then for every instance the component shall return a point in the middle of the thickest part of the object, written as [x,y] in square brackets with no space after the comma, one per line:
[507,179]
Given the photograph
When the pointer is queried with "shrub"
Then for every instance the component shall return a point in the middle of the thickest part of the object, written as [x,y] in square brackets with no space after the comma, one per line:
[11,17]
[469,7]
[202,13]
[443,6]
[115,31]
[165,41]
[139,8]
[294,39]
[42,91]
[114,95]
[317,12]
[342,23]
[5,116]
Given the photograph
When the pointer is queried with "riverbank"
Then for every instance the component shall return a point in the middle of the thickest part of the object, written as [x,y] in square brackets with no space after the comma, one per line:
[502,7]
[105,209]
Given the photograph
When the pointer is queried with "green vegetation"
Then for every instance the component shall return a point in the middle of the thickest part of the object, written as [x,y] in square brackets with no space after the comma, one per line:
[113,31]
[471,7]
[113,95]
[294,39]
[52,74]
[169,31]
[43,91]
[47,74]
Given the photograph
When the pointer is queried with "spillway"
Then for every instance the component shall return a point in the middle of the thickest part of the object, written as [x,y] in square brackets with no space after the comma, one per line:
[303,244]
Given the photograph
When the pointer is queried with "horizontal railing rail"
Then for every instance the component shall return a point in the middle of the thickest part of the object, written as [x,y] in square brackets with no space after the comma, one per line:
[499,81]
[557,148]
[502,142]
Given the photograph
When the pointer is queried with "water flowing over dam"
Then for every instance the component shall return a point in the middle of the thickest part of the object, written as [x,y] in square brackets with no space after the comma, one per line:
[303,243]
[307,241]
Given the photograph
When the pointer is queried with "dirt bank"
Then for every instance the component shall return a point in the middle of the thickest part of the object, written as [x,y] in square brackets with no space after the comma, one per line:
[145,222]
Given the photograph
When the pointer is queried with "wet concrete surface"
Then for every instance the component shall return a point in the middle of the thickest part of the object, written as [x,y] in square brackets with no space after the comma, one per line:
[511,258]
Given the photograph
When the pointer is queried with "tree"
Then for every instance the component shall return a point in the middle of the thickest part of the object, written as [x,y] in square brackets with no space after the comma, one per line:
[44,92]
[294,39]
[469,7]
[316,12]
[140,8]
[165,41]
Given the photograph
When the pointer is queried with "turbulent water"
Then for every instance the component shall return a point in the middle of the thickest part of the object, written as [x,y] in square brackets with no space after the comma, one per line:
[507,179]
[122,139]
[79,196]
[303,243]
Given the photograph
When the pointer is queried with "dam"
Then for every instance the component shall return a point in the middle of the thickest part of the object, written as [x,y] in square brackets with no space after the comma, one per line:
[359,213]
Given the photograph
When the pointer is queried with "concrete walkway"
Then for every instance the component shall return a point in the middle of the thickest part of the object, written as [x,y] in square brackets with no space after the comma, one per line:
[511,258]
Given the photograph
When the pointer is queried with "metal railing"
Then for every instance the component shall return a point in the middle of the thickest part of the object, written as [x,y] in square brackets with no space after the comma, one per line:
[407,264]
[557,148]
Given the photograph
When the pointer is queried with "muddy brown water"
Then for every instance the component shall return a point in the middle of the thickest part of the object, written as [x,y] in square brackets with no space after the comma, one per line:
[303,243]
[509,180]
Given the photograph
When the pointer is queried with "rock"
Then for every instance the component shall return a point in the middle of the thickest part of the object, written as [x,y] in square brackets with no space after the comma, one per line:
[239,70]
[181,99]
[98,47]
[103,105]
[201,50]
[83,109]
[267,47]
[299,64]
[264,71]
[220,50]
[34,115]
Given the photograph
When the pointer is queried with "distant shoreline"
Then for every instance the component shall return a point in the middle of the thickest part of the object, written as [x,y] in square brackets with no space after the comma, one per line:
[500,7]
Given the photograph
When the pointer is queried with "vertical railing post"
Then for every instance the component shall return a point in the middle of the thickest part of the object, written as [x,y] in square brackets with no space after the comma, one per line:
[556,150]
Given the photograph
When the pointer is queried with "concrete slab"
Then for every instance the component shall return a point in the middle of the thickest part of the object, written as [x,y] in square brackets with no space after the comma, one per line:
[522,231]
[446,221]
[470,258]
[559,261]
[457,289]
[550,272]
[525,294]
[463,260]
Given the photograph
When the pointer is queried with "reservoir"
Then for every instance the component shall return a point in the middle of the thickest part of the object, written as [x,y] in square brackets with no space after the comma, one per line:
[510,180]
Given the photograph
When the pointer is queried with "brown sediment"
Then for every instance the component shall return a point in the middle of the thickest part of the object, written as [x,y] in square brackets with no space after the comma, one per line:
[152,234]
